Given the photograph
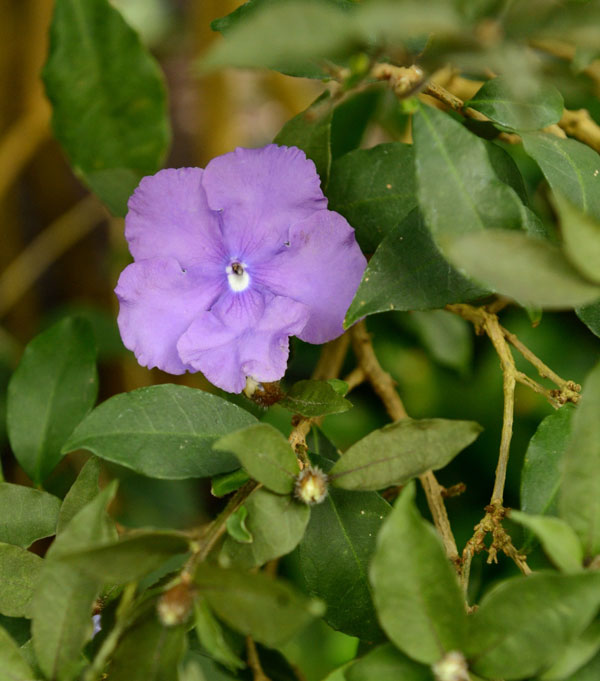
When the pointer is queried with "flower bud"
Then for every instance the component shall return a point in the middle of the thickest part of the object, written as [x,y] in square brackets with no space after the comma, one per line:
[175,605]
[311,485]
[452,667]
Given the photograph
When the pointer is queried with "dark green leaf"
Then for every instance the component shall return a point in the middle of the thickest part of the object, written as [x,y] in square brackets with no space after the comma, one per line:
[532,271]
[506,169]
[314,398]
[590,316]
[196,667]
[417,596]
[265,455]
[408,272]
[82,491]
[525,623]
[236,526]
[108,98]
[269,610]
[19,574]
[26,514]
[579,652]
[269,539]
[211,637]
[386,663]
[580,490]
[221,485]
[310,131]
[498,100]
[374,189]
[350,120]
[53,388]
[559,541]
[164,431]
[12,662]
[541,473]
[400,451]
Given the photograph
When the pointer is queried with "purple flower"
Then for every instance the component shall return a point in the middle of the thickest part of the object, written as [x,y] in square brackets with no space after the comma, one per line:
[231,261]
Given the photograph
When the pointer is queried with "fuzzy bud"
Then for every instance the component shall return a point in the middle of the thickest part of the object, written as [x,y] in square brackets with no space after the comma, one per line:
[175,605]
[311,486]
[452,667]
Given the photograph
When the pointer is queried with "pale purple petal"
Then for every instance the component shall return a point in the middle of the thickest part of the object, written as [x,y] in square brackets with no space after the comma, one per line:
[321,268]
[169,217]
[261,193]
[158,301]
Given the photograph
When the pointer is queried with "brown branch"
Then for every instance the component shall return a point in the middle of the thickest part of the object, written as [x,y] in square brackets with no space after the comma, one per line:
[355,378]
[254,661]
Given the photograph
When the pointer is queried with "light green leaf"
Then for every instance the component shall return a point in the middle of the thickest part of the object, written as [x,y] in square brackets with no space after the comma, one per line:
[580,490]
[224,484]
[26,514]
[19,574]
[265,455]
[53,388]
[417,596]
[211,637]
[579,652]
[236,526]
[400,451]
[530,270]
[82,491]
[385,663]
[12,663]
[559,541]
[590,316]
[314,398]
[108,99]
[164,431]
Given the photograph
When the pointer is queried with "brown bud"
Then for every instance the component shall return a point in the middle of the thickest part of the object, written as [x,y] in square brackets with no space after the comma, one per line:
[311,485]
[175,605]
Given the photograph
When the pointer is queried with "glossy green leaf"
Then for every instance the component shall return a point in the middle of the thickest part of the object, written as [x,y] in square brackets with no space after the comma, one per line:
[400,451]
[541,473]
[164,431]
[12,663]
[108,99]
[374,189]
[53,388]
[559,541]
[498,100]
[314,398]
[506,169]
[82,491]
[270,539]
[408,272]
[530,270]
[26,514]
[590,316]
[581,236]
[224,484]
[19,574]
[419,602]
[580,490]
[387,663]
[310,131]
[269,610]
[236,526]
[265,455]
[524,624]
[211,637]
[579,653]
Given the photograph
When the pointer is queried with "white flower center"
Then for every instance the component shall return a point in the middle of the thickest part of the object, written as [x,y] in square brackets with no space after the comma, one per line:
[238,277]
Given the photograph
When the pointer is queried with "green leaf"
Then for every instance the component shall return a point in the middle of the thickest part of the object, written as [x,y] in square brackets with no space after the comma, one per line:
[269,539]
[82,491]
[164,431]
[532,271]
[314,398]
[269,610]
[400,451]
[581,236]
[211,637]
[506,169]
[579,652]
[590,316]
[498,100]
[196,667]
[265,455]
[335,553]
[408,272]
[53,388]
[351,118]
[310,131]
[386,662]
[19,574]
[580,490]
[417,596]
[13,664]
[559,541]
[340,387]
[374,189]
[541,473]
[26,514]
[108,99]
[224,484]
[236,526]
[524,624]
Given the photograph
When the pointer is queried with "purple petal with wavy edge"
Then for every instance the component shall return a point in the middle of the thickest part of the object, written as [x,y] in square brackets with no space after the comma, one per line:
[258,348]
[322,268]
[262,192]
[169,217]
[158,302]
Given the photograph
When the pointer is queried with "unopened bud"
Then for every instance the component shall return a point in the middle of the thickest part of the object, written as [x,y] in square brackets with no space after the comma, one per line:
[311,485]
[263,394]
[175,605]
[452,667]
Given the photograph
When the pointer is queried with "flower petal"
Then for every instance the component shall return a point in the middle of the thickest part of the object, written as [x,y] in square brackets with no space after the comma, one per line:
[169,216]
[158,301]
[227,352]
[262,192]
[321,268]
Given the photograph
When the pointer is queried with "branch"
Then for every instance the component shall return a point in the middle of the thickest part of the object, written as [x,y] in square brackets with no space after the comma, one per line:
[254,661]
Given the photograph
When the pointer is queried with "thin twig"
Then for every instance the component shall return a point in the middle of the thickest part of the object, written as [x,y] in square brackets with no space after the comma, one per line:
[355,378]
[254,661]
